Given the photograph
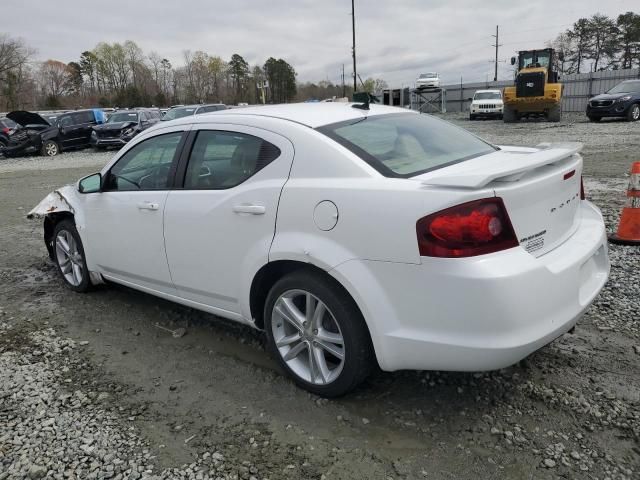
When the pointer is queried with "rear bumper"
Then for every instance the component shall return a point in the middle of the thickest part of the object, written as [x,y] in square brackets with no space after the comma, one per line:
[480,313]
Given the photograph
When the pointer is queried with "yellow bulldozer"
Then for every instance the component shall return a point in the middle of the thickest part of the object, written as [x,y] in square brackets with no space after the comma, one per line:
[537,91]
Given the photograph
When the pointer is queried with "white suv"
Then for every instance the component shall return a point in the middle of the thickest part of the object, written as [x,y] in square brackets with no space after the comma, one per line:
[428,80]
[486,104]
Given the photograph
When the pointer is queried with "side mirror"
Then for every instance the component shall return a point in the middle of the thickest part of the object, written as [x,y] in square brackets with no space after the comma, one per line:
[90,184]
[470,99]
[513,60]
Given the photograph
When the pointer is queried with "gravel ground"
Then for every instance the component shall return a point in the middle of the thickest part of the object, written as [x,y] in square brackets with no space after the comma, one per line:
[91,387]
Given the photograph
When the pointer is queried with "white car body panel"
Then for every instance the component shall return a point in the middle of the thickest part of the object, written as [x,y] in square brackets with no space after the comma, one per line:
[209,267]
[474,313]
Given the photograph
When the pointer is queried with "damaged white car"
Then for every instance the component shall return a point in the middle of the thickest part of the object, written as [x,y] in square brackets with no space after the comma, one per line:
[353,235]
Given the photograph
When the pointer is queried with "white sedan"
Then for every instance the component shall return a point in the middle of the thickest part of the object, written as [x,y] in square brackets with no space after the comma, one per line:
[351,236]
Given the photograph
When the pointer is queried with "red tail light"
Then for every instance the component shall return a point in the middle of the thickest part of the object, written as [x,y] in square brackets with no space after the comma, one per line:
[6,130]
[473,228]
[582,196]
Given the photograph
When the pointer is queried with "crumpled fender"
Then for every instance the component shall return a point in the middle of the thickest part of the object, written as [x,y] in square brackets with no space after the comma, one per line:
[56,202]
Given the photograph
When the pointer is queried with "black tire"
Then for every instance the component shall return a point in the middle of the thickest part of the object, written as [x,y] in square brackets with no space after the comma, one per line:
[509,115]
[69,226]
[49,148]
[633,115]
[358,352]
[555,113]
[594,118]
[472,117]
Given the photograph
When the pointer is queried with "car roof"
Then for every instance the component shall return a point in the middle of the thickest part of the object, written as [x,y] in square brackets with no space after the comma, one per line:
[310,114]
[490,90]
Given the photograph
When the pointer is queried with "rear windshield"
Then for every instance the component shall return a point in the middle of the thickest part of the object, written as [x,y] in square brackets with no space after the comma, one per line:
[405,144]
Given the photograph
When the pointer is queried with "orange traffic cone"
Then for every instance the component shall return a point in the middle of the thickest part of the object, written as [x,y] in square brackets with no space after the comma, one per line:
[629,227]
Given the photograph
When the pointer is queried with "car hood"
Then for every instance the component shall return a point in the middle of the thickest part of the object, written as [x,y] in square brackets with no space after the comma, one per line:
[114,126]
[490,101]
[611,96]
[24,118]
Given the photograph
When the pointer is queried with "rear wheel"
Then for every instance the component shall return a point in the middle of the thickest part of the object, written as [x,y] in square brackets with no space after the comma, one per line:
[69,256]
[554,114]
[593,118]
[317,334]
[633,115]
[49,148]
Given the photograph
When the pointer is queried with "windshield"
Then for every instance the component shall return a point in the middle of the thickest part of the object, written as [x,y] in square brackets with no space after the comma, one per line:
[630,86]
[178,113]
[123,117]
[405,144]
[487,96]
[534,59]
[428,75]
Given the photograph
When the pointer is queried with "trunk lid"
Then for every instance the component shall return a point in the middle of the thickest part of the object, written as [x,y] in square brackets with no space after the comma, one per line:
[540,188]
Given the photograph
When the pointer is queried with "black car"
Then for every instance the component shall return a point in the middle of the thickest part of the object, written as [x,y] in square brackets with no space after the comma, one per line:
[35,134]
[623,100]
[7,126]
[123,126]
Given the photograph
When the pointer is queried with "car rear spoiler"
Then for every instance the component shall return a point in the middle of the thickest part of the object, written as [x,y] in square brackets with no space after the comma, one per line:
[501,166]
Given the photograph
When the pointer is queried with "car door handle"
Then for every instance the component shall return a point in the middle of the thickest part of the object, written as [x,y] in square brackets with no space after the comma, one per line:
[148,206]
[252,209]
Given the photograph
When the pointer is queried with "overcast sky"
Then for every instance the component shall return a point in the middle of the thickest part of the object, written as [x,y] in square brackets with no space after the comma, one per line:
[396,39]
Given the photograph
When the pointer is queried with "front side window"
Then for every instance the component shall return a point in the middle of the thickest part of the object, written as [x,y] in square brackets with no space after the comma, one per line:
[405,144]
[65,121]
[222,160]
[147,166]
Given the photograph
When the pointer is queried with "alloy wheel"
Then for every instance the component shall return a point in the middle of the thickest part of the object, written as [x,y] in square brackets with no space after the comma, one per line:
[69,258]
[308,337]
[635,113]
[51,149]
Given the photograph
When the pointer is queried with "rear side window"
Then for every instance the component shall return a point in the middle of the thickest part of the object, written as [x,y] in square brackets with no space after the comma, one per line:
[221,160]
[404,144]
[83,117]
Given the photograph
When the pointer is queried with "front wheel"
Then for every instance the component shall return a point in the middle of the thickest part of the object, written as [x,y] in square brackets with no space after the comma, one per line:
[69,256]
[472,117]
[554,114]
[317,334]
[633,115]
[594,118]
[49,148]
[509,115]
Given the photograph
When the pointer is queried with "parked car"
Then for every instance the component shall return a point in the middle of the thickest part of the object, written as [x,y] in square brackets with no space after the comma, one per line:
[7,126]
[122,126]
[623,100]
[486,104]
[428,80]
[38,135]
[188,110]
[390,238]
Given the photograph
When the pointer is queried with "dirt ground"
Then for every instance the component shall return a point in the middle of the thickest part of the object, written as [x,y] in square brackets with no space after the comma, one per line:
[571,410]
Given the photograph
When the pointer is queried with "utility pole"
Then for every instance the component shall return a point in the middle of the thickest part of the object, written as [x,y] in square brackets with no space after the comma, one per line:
[344,88]
[497,45]
[353,29]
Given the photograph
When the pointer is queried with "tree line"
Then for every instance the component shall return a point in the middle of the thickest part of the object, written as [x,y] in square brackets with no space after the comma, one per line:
[123,75]
[599,43]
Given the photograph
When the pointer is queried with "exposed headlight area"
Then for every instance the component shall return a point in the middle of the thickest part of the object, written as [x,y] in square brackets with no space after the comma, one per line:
[127,132]
[626,98]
